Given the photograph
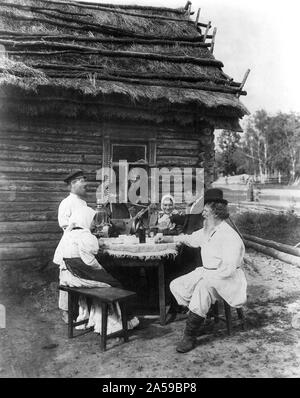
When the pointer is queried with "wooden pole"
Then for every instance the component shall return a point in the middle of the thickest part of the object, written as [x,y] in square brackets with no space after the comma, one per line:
[154,76]
[203,25]
[189,9]
[244,81]
[206,30]
[197,17]
[143,82]
[92,27]
[105,9]
[61,48]
[10,35]
[287,258]
[213,40]
[275,245]
[187,5]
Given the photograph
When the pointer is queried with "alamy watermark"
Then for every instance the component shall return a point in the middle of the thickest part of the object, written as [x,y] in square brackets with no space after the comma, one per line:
[141,185]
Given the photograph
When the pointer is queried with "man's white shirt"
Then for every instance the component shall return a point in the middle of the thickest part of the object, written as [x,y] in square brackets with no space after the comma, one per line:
[67,207]
[222,249]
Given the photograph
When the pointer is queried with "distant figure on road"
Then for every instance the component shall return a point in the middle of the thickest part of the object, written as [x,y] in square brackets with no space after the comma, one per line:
[250,190]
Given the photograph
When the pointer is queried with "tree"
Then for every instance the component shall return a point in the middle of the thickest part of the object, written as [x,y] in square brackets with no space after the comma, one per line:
[286,129]
[228,142]
[256,143]
[271,144]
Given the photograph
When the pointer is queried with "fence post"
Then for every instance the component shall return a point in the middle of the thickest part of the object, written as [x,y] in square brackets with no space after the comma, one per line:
[250,191]
[2,317]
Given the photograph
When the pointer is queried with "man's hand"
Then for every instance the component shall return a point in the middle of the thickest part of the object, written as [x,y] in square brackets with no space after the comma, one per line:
[101,242]
[159,238]
[163,239]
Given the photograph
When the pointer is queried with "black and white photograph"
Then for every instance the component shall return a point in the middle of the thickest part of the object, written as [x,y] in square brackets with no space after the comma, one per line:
[149,191]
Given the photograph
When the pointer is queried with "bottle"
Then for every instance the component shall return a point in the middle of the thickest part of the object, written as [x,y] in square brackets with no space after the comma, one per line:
[101,218]
[142,233]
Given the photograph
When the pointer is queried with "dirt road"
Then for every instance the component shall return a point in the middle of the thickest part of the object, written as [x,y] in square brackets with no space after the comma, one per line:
[34,343]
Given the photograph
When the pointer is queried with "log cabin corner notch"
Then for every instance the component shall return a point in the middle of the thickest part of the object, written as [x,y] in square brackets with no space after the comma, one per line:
[78,78]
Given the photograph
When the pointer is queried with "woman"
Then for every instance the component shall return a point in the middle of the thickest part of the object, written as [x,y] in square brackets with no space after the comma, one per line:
[162,219]
[80,268]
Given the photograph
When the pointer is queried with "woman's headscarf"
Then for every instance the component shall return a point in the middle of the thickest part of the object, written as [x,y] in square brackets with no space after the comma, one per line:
[168,196]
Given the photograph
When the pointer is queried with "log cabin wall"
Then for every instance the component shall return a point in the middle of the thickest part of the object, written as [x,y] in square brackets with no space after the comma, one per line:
[35,156]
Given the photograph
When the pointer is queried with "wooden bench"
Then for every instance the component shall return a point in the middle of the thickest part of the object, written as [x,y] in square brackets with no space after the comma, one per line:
[228,315]
[106,296]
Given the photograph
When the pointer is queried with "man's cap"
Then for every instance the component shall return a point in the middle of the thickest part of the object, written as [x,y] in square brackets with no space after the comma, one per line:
[214,195]
[73,176]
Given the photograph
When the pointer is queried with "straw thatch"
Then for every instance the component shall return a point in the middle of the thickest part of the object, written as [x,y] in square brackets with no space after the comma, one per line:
[147,55]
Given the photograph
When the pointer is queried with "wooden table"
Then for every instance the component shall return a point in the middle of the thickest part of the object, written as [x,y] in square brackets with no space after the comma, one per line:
[144,255]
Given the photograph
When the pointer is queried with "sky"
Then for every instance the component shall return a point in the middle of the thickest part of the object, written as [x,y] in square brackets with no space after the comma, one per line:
[261,35]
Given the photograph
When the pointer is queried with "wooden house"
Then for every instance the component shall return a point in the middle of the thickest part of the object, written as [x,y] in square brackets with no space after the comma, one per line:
[80,83]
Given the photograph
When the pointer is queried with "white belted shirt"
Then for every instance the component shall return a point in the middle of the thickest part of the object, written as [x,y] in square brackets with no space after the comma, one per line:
[222,252]
[68,206]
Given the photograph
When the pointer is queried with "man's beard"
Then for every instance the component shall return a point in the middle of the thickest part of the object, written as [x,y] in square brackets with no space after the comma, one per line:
[208,225]
[83,193]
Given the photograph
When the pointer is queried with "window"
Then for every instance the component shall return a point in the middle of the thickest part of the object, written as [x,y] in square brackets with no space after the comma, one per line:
[136,151]
[133,154]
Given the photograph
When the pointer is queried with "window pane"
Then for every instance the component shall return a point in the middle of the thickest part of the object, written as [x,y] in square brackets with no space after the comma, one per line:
[131,153]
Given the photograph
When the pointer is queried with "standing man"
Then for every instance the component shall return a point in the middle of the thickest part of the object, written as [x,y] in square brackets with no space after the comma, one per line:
[77,184]
[221,276]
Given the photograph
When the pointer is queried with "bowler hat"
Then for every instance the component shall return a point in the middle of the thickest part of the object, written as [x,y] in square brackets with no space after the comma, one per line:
[73,176]
[214,195]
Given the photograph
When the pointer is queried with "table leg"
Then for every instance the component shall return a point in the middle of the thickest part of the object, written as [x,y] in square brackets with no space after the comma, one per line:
[104,326]
[124,321]
[162,293]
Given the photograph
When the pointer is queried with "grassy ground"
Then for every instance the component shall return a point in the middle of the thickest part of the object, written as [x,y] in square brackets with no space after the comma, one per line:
[280,228]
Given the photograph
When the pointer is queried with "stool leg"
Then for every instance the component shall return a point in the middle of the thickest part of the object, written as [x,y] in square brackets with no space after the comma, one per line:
[241,316]
[228,317]
[70,314]
[124,321]
[104,326]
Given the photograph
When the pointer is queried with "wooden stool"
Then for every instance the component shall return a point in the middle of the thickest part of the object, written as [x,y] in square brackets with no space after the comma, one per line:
[228,317]
[106,296]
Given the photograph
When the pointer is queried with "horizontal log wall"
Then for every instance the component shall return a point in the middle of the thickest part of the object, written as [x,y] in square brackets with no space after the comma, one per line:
[192,147]
[35,156]
[34,159]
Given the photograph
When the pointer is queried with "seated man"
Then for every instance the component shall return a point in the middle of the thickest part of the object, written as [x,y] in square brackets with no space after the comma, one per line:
[221,276]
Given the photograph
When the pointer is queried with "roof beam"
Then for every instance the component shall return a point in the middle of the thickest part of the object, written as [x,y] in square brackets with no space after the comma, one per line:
[213,40]
[57,48]
[206,31]
[104,29]
[10,35]
[98,8]
[243,82]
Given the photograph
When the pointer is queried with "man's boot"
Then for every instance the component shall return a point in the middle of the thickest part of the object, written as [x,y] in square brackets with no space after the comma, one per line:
[176,312]
[192,326]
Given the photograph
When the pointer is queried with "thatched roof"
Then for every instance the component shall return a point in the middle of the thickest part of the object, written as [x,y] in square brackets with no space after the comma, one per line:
[140,54]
